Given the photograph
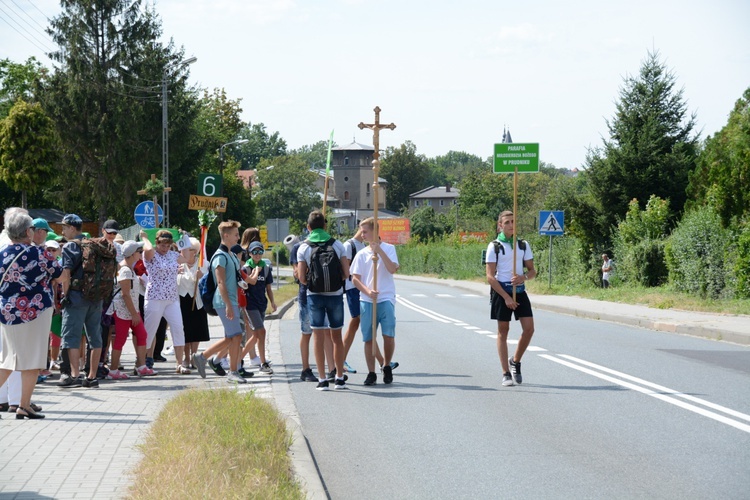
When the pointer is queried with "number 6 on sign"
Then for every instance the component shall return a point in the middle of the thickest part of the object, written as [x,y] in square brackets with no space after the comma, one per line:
[209,184]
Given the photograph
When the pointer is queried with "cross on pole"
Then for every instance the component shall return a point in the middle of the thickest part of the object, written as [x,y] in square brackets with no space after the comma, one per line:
[156,207]
[375,127]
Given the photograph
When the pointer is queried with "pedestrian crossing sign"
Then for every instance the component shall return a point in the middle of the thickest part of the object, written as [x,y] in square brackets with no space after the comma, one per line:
[551,222]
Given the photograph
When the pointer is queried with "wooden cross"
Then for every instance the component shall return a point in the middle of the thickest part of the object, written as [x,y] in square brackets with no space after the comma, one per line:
[375,127]
[156,207]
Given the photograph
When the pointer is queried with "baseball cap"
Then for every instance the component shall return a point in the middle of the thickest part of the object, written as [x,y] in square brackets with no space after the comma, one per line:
[254,245]
[40,223]
[72,220]
[52,244]
[111,226]
[130,247]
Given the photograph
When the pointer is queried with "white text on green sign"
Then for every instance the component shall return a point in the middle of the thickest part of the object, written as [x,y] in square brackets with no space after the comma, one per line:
[509,157]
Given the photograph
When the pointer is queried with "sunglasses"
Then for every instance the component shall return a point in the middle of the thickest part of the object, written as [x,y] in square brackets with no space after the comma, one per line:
[257,251]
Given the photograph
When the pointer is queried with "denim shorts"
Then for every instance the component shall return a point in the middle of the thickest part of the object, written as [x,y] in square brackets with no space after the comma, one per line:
[232,327]
[85,314]
[352,300]
[330,307]
[386,319]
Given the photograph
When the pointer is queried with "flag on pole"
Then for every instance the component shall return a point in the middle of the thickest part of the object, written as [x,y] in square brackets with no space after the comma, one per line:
[328,160]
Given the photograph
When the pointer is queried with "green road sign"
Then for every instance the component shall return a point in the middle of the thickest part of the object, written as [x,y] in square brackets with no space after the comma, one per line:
[209,185]
[508,156]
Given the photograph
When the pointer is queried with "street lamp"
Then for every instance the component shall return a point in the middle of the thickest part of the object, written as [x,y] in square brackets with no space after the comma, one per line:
[165,138]
[221,158]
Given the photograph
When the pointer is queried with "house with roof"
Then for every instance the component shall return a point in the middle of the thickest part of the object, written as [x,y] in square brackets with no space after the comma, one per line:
[440,198]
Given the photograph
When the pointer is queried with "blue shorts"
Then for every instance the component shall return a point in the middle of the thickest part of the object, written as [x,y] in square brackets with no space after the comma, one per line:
[330,307]
[232,327]
[386,319]
[352,300]
[74,319]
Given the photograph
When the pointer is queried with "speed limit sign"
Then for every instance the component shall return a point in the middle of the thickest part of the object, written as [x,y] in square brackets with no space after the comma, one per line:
[210,184]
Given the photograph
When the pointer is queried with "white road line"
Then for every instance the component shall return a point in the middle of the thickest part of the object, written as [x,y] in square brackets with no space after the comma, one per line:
[461,324]
[418,295]
[443,295]
[487,331]
[427,312]
[649,392]
[534,348]
[470,295]
[661,388]
[471,328]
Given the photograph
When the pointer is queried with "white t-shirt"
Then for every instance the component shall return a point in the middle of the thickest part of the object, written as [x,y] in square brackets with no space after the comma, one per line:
[359,246]
[303,254]
[363,266]
[504,271]
[606,274]
[125,273]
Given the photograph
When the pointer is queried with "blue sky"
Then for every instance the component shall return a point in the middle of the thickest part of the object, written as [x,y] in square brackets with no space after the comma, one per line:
[449,74]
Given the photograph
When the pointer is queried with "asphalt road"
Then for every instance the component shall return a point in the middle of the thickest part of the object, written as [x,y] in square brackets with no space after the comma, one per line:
[605,411]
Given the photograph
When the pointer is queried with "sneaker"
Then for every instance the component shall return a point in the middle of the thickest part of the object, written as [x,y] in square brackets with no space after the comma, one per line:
[235,378]
[91,383]
[387,374]
[308,376]
[199,360]
[102,372]
[145,371]
[244,373]
[117,375]
[255,361]
[332,376]
[392,364]
[216,367]
[515,370]
[323,386]
[224,363]
[371,379]
[507,380]
[150,362]
[264,368]
[348,368]
[67,381]
[169,351]
[182,370]
[339,384]
[55,366]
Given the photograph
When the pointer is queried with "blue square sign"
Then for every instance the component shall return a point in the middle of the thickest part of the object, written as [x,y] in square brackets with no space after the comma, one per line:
[551,222]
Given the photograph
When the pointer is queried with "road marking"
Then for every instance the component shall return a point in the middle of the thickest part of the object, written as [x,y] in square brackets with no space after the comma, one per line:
[427,312]
[487,331]
[461,324]
[443,295]
[472,295]
[658,395]
[418,295]
[471,328]
[534,348]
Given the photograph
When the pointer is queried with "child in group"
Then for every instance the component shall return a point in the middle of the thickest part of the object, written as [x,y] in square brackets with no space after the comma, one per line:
[127,316]
[259,283]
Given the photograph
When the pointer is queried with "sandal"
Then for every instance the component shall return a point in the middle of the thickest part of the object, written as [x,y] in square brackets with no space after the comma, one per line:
[27,414]
[4,406]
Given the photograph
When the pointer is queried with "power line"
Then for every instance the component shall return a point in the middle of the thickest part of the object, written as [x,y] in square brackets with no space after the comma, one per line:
[27,38]
[11,17]
[37,8]
[27,14]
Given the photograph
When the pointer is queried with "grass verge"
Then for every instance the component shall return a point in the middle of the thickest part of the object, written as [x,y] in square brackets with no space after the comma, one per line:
[217,443]
[284,293]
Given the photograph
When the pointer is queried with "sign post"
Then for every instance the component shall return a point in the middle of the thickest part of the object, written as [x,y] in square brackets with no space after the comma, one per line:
[144,214]
[551,223]
[277,229]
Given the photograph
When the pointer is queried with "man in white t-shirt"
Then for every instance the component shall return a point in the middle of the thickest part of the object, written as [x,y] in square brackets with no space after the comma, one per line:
[503,275]
[384,295]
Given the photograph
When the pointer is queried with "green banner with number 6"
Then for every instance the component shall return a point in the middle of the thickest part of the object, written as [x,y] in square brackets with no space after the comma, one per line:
[210,184]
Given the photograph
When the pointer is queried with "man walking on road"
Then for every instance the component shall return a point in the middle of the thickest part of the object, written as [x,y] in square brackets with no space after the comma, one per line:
[502,275]
[384,296]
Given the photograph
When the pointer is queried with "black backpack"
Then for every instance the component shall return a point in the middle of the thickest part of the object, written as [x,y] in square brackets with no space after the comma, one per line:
[324,274]
[207,289]
[499,247]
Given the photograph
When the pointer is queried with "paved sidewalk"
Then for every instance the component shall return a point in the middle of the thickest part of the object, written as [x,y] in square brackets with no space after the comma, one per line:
[88,443]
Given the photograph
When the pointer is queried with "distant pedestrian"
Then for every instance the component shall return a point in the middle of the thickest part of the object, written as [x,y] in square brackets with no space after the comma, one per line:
[383,295]
[502,275]
[606,270]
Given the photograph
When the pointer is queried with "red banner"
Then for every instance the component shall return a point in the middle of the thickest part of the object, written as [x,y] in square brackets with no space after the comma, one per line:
[394,231]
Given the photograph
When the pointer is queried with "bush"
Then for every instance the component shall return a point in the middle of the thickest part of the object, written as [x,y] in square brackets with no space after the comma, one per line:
[445,257]
[741,267]
[695,254]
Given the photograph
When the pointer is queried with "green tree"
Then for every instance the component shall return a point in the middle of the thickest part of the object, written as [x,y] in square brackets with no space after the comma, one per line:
[453,166]
[406,173]
[260,145]
[27,148]
[17,81]
[651,149]
[314,155]
[287,189]
[723,174]
[426,224]
[104,99]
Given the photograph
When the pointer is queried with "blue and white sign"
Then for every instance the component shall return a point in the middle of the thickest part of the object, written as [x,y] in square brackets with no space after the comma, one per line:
[551,222]
[144,214]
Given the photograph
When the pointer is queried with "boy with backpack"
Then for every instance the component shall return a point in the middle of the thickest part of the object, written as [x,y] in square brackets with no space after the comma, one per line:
[502,275]
[259,283]
[323,269]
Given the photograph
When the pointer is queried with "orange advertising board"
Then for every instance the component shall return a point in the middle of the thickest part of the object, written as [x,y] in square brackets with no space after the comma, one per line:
[395,231]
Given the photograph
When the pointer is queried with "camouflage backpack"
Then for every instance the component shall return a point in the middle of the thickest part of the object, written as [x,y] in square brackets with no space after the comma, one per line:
[99,264]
